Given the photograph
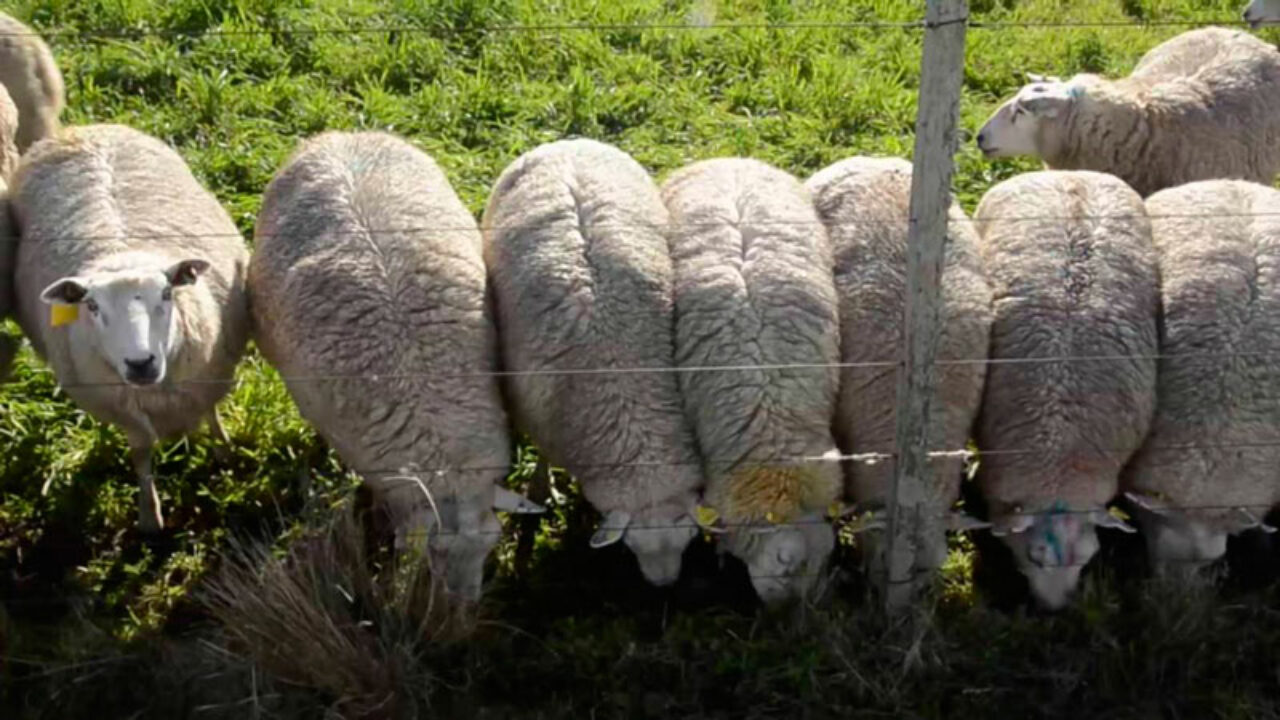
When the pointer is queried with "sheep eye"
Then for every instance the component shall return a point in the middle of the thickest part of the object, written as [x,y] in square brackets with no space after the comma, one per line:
[166,294]
[92,305]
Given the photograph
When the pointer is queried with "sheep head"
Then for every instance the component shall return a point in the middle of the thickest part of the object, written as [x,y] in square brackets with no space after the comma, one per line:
[127,315]
[1183,542]
[658,535]
[1017,126]
[1051,548]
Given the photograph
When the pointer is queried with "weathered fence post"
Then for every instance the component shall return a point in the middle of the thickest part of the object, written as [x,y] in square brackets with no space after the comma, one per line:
[942,73]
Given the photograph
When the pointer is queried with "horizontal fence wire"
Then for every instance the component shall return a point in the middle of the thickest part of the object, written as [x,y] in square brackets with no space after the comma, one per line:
[669,227]
[607,372]
[90,35]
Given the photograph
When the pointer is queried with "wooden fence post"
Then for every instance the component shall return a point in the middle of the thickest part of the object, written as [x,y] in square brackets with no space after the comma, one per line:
[942,73]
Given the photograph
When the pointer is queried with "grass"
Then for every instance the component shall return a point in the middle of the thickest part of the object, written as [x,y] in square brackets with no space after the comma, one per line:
[97,621]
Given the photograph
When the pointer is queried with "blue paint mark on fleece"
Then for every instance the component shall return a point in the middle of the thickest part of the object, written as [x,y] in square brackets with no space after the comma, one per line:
[1050,536]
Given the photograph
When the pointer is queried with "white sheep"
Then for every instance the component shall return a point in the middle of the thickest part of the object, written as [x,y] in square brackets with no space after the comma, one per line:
[130,283]
[1208,467]
[756,303]
[367,289]
[30,74]
[1071,389]
[8,238]
[865,204]
[576,246]
[1262,12]
[1203,105]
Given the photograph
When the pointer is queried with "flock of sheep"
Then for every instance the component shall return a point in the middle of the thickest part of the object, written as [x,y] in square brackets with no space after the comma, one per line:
[718,353]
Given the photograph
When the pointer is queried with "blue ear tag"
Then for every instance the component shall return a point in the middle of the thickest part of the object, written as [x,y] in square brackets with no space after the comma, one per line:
[1076,92]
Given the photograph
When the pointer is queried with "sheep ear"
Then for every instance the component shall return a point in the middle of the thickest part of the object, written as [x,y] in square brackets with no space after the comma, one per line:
[185,272]
[1150,503]
[708,519]
[1047,105]
[513,502]
[1110,519]
[67,291]
[1012,524]
[964,522]
[1253,521]
[612,529]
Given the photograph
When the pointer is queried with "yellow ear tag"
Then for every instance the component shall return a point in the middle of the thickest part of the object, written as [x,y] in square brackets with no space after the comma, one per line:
[707,516]
[60,314]
[833,510]
[772,518]
[1118,513]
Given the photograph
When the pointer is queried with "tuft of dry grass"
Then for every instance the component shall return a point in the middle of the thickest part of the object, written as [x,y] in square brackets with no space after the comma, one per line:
[332,614]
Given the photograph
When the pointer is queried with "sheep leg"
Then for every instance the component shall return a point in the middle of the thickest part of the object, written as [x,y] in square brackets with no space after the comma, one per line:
[221,440]
[149,517]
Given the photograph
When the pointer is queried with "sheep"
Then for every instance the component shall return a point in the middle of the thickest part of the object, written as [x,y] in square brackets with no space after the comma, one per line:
[1071,389]
[8,239]
[129,282]
[1262,12]
[368,293]
[575,241]
[30,74]
[1203,105]
[1207,468]
[755,297]
[864,203]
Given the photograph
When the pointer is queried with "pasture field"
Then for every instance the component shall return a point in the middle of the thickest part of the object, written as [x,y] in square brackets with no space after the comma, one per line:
[97,623]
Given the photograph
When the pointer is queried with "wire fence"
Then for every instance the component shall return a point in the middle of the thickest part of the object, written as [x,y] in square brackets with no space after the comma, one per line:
[133,34]
[97,34]
[656,227]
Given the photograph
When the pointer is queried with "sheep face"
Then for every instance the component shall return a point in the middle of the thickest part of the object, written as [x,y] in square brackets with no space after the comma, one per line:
[1052,548]
[1262,12]
[458,539]
[130,319]
[657,535]
[784,560]
[1181,544]
[1017,127]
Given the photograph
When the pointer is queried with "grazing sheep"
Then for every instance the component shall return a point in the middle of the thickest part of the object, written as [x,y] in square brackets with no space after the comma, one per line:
[144,271]
[8,239]
[30,74]
[1203,105]
[864,203]
[1262,12]
[9,154]
[368,294]
[754,287]
[1071,389]
[574,238]
[1208,467]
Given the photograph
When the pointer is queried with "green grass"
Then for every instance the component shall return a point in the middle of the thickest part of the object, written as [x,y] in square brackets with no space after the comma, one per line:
[97,621]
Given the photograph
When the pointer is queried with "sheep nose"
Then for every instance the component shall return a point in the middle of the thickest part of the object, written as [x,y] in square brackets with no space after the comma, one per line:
[982,137]
[141,366]
[141,372]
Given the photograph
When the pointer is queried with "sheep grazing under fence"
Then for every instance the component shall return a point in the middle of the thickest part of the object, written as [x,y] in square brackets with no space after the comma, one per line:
[1073,275]
[754,286]
[1208,469]
[582,277]
[367,273]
